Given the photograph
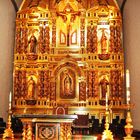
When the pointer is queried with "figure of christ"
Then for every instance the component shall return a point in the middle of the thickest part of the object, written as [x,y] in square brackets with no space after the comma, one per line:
[68,16]
[68,35]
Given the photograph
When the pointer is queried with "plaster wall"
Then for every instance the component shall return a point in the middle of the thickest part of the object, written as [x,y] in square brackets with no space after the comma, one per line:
[7,28]
[131,23]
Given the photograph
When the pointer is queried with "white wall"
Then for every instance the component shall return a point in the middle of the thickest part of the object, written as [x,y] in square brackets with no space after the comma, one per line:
[7,27]
[132,53]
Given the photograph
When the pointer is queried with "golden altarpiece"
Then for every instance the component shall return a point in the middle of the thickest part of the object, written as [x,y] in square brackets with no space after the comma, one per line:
[68,59]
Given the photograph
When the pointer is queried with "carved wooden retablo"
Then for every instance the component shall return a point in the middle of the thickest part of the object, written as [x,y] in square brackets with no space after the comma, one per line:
[68,57]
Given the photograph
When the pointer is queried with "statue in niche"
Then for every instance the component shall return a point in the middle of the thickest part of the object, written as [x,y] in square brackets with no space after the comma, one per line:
[31,88]
[67,85]
[103,42]
[32,44]
[104,87]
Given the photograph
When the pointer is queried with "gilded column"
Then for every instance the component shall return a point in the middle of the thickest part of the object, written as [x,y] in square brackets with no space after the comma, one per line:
[120,88]
[46,84]
[118,38]
[52,92]
[41,84]
[88,39]
[94,39]
[47,38]
[95,84]
[65,132]
[40,40]
[16,84]
[82,29]
[53,30]
[90,84]
[112,37]
[62,131]
[68,130]
[24,40]
[18,40]
[24,133]
[23,85]
[29,131]
[82,91]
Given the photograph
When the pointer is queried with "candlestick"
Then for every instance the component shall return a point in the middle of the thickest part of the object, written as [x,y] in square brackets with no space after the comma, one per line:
[8,132]
[127,87]
[107,134]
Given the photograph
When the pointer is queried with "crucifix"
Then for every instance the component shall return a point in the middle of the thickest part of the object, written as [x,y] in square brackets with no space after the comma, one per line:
[68,15]
[68,34]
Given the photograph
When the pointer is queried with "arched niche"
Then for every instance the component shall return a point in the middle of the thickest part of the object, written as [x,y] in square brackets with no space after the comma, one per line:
[67,77]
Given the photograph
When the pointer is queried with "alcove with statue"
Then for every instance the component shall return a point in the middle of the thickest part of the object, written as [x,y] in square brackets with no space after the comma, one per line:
[69,69]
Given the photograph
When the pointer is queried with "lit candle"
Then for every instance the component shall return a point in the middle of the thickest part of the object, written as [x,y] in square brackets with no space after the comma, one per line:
[106,100]
[127,87]
[10,100]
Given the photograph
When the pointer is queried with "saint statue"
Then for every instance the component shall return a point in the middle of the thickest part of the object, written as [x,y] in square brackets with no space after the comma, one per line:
[32,44]
[31,88]
[103,42]
[104,84]
[67,85]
